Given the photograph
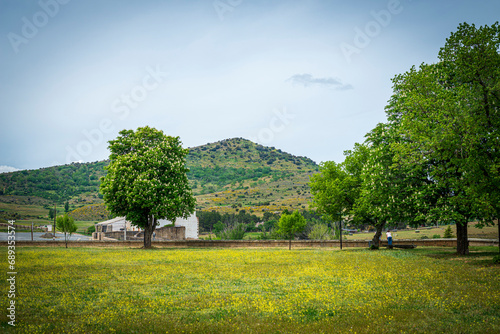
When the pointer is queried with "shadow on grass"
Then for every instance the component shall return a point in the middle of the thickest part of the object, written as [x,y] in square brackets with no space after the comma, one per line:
[478,256]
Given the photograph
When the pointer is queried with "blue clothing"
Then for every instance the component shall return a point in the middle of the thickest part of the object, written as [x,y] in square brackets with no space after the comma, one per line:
[389,240]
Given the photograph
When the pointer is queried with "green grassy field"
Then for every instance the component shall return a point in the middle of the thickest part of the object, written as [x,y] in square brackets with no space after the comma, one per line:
[96,290]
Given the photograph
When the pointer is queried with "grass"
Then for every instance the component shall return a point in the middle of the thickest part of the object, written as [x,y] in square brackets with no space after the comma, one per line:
[487,232]
[94,290]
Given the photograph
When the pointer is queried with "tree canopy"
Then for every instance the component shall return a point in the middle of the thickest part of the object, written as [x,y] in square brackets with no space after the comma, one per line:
[290,224]
[147,180]
[66,224]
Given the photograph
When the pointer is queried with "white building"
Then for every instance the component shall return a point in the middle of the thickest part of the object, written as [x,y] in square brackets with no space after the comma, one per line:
[117,224]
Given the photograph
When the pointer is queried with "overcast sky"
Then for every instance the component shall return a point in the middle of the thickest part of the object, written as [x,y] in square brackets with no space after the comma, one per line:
[308,77]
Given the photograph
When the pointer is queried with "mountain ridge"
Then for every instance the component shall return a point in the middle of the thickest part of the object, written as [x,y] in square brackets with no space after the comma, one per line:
[226,175]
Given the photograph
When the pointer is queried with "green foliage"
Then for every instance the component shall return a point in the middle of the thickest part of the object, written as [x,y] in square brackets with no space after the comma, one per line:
[496,259]
[57,183]
[270,224]
[424,237]
[91,229]
[91,212]
[319,232]
[51,213]
[334,189]
[290,224]
[212,220]
[449,116]
[436,236]
[234,233]
[272,234]
[448,233]
[67,225]
[219,228]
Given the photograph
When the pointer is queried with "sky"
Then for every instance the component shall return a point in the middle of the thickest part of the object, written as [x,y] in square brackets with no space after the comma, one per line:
[309,77]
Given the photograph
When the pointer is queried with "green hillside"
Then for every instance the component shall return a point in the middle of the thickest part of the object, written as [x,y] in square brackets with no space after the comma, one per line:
[225,176]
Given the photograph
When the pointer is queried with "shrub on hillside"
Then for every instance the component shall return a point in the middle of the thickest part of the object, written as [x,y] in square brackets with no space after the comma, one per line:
[436,236]
[234,233]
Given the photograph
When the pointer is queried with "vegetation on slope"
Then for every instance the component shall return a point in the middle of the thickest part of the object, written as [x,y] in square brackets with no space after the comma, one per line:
[226,176]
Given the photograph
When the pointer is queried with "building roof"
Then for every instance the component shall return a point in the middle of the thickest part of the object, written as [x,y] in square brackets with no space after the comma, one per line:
[112,221]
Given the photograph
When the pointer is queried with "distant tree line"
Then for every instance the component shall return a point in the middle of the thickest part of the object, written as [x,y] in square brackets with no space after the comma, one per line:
[209,219]
[57,183]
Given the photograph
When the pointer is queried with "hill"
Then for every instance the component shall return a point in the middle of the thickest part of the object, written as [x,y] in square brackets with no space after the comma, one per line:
[226,176]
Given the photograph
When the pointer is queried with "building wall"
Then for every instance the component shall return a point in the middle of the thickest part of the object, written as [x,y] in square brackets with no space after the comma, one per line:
[191,225]
[171,233]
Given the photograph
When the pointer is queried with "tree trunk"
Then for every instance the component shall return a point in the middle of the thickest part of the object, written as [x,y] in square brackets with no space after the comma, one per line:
[462,239]
[340,233]
[378,233]
[148,231]
[290,244]
[498,223]
[65,240]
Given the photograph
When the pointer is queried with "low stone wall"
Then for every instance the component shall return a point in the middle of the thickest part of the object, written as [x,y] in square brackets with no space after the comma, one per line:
[171,233]
[249,243]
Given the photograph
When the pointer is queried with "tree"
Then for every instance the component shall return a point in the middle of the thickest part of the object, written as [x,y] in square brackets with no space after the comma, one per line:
[471,63]
[449,118]
[336,187]
[290,224]
[146,179]
[67,225]
[66,207]
[51,213]
[391,192]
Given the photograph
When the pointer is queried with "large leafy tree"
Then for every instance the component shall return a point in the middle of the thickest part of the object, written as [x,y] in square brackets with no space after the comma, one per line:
[471,62]
[449,119]
[146,179]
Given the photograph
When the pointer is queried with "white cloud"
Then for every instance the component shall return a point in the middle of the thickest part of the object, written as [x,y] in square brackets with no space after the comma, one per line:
[8,169]
[308,80]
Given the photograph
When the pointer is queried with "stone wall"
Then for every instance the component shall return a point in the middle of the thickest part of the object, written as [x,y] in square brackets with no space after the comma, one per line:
[171,233]
[162,233]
